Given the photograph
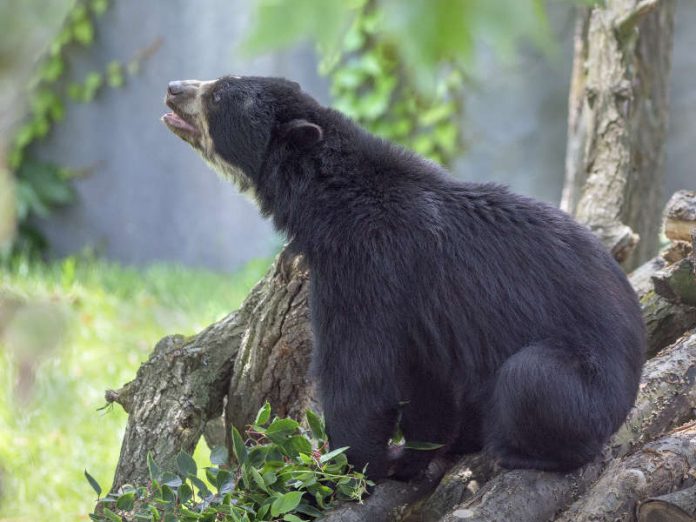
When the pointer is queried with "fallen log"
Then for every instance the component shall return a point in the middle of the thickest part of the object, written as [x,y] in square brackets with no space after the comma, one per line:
[679,506]
[656,468]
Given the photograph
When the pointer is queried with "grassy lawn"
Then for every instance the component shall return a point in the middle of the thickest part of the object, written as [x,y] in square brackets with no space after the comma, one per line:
[71,330]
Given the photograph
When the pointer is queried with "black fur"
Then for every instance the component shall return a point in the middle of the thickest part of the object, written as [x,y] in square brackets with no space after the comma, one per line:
[484,318]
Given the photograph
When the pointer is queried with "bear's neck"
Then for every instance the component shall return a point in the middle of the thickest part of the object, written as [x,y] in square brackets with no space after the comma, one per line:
[337,192]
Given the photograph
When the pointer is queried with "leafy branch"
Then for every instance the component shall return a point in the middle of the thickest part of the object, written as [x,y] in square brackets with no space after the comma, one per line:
[281,471]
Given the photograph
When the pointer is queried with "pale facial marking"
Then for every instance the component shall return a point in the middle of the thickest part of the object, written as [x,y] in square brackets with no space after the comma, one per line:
[189,122]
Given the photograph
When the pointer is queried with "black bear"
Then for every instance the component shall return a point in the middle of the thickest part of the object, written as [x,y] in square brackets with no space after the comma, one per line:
[473,317]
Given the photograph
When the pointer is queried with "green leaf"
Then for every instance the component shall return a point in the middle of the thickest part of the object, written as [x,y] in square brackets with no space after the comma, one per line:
[306,509]
[153,469]
[270,478]
[168,493]
[171,480]
[92,482]
[422,446]
[93,81]
[299,444]
[258,479]
[110,515]
[286,502]
[332,454]
[281,429]
[238,447]
[126,501]
[114,74]
[225,481]
[316,425]
[264,414]
[83,31]
[186,465]
[219,456]
[292,518]
[203,490]
[185,493]
[99,6]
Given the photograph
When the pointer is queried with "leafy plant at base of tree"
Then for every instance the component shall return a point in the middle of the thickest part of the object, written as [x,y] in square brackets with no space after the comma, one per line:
[281,472]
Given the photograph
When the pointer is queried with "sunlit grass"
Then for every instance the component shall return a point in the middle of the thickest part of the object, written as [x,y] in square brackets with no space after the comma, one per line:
[104,320]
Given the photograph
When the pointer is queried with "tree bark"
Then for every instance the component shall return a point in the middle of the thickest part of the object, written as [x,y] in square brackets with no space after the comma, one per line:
[657,468]
[679,506]
[680,216]
[617,121]
[274,356]
[392,500]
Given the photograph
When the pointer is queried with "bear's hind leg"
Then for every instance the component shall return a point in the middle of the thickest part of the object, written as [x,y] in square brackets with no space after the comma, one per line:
[549,410]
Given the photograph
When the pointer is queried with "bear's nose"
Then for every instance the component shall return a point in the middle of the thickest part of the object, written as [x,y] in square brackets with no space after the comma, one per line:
[175,88]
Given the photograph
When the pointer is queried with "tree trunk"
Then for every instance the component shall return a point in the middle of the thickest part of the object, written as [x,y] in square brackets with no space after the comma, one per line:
[178,394]
[273,359]
[617,121]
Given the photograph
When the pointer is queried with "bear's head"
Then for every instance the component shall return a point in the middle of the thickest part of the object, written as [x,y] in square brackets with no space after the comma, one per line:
[234,122]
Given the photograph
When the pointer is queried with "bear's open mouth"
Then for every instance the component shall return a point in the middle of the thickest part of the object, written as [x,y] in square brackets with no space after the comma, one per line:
[179,125]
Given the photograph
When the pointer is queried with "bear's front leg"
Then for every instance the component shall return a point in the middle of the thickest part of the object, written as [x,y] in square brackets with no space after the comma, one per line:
[365,427]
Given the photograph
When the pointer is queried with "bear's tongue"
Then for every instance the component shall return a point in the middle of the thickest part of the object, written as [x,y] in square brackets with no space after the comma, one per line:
[174,120]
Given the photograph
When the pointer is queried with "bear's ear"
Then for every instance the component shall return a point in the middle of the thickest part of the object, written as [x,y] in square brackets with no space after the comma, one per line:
[302,133]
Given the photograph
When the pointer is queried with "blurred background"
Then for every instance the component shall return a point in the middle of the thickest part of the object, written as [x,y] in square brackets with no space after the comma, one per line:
[124,235]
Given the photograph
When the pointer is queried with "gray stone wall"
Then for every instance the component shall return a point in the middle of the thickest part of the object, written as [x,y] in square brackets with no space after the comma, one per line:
[150,198]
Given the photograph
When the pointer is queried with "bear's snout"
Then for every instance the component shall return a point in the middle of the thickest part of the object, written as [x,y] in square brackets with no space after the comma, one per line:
[184,100]
[180,92]
[175,88]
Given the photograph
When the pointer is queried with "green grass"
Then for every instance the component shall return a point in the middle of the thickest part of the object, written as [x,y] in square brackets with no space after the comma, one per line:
[79,328]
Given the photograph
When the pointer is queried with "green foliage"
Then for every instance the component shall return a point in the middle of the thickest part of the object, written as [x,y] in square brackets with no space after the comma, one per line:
[398,68]
[105,321]
[47,106]
[282,472]
[42,187]
[370,84]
